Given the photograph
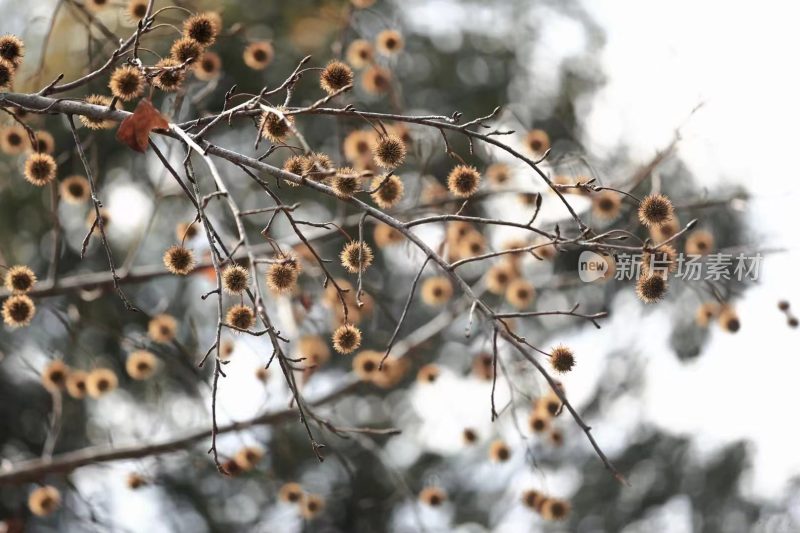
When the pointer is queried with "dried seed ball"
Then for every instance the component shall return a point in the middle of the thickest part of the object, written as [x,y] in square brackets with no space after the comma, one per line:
[437,291]
[483,366]
[651,288]
[554,509]
[520,293]
[141,365]
[532,499]
[235,279]
[388,191]
[230,468]
[335,76]
[282,275]
[13,139]
[499,276]
[202,28]
[346,182]
[208,67]
[317,165]
[537,142]
[556,437]
[792,322]
[100,382]
[226,349]
[241,317]
[75,190]
[473,245]
[666,230]
[312,505]
[162,328]
[366,364]
[44,501]
[135,481]
[550,403]
[389,151]
[6,74]
[12,49]
[186,50]
[357,145]
[262,374]
[606,205]
[18,311]
[729,320]
[498,173]
[562,359]
[457,230]
[258,55]
[346,339]
[186,230]
[356,256]
[127,83]
[385,235]
[664,259]
[360,53]
[499,452]
[169,79]
[40,169]
[463,181]
[294,165]
[136,10]
[428,374]
[705,313]
[96,5]
[19,279]
[54,375]
[376,79]
[391,373]
[538,422]
[179,260]
[470,436]
[97,123]
[45,143]
[76,384]
[291,493]
[433,496]
[314,350]
[699,242]
[655,210]
[275,127]
[389,42]
[783,305]
[248,457]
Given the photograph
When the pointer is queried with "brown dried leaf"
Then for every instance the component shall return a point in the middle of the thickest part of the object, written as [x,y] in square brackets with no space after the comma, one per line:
[135,129]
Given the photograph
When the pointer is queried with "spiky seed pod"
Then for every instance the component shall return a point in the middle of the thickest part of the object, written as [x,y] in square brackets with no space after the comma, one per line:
[362,4]
[606,205]
[474,244]
[357,146]
[792,322]
[366,364]
[335,76]
[655,210]
[387,191]
[537,141]
[97,123]
[651,287]
[360,53]
[96,5]
[282,275]
[550,403]
[127,83]
[186,50]
[76,384]
[385,235]
[54,375]
[40,169]
[346,339]
[13,139]
[179,260]
[705,313]
[499,276]
[346,182]
[665,231]
[664,259]
[262,374]
[538,422]
[376,79]
[226,349]
[499,174]
[555,509]
[457,230]
[556,437]
[428,374]
[532,499]
[389,42]
[391,373]
[235,279]
[100,382]
[18,311]
[291,493]
[700,242]
[356,256]
[470,436]
[562,359]
[202,28]
[6,74]
[433,496]
[294,165]
[499,452]
[317,166]
[136,10]
[162,328]
[312,505]
[463,181]
[275,127]
[389,152]
[230,468]
[75,190]
[241,317]
[248,457]
[783,305]
[258,55]
[169,79]
[186,231]
[141,365]
[20,279]
[729,320]
[483,366]
[45,143]
[135,481]
[12,49]
[520,293]
[437,291]
[208,67]
[313,350]
[44,501]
